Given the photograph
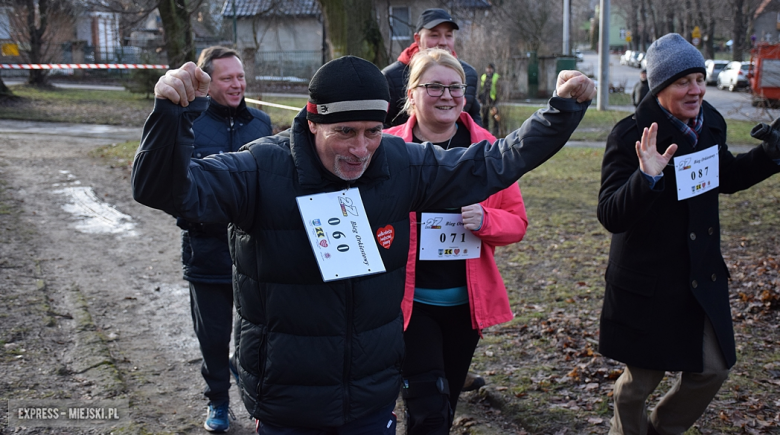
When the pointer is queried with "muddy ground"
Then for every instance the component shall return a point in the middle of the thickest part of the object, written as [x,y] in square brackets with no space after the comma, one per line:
[93,309]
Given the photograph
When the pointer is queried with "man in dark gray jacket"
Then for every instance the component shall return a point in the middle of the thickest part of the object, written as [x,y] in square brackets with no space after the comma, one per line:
[435,29]
[319,232]
[224,127]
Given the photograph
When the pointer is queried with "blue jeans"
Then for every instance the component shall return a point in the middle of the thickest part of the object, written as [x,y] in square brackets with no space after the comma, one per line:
[381,422]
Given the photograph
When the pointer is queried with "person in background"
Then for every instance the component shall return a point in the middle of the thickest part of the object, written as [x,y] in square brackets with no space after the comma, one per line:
[488,98]
[435,29]
[666,305]
[319,232]
[447,303]
[641,88]
[223,127]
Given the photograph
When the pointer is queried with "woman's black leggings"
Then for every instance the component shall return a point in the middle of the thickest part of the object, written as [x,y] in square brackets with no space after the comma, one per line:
[439,345]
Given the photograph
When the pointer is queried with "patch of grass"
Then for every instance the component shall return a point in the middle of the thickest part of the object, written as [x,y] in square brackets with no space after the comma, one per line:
[118,154]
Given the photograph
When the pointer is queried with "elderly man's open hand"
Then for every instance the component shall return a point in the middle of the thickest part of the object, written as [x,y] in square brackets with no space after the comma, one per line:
[650,161]
[182,85]
[574,84]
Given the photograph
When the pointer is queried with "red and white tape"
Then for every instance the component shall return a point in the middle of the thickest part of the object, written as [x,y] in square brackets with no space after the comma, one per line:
[80,66]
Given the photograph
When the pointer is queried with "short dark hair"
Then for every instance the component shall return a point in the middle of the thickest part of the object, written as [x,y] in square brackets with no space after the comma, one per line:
[207,56]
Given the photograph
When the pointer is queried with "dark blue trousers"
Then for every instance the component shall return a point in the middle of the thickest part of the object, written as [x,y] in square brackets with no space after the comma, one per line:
[212,317]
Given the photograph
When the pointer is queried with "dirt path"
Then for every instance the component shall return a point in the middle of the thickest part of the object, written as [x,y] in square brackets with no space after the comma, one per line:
[92,302]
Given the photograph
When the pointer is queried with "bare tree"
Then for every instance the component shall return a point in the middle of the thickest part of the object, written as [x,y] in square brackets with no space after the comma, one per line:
[352,28]
[38,27]
[175,17]
[531,23]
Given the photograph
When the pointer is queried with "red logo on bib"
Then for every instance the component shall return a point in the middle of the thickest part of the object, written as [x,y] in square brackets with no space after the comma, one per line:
[385,236]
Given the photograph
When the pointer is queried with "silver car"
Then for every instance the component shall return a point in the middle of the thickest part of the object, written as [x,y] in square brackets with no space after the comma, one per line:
[714,67]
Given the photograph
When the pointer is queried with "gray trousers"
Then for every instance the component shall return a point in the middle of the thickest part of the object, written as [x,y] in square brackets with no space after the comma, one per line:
[680,407]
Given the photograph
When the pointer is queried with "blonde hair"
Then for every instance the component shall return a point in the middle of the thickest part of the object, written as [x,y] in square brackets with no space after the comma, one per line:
[422,62]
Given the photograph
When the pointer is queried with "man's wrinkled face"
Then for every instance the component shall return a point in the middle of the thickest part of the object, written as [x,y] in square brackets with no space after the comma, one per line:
[346,148]
[441,36]
[227,81]
[683,97]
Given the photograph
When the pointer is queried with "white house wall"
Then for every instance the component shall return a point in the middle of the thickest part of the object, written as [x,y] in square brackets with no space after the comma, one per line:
[282,34]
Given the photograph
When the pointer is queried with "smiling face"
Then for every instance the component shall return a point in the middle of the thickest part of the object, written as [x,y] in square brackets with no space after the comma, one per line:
[683,97]
[227,81]
[437,112]
[441,36]
[346,148]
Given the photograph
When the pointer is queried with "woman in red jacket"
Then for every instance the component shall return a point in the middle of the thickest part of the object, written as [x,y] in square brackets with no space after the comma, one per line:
[453,287]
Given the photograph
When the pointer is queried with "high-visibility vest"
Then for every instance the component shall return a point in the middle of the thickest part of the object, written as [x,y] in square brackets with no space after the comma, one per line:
[493,87]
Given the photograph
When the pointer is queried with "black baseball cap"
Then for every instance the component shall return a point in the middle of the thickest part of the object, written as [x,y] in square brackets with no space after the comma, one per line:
[431,18]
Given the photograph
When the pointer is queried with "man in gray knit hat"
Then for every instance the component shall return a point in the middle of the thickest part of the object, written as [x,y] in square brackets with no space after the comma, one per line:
[666,305]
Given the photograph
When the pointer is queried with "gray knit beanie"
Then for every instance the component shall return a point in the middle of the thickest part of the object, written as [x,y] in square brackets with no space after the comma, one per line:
[669,58]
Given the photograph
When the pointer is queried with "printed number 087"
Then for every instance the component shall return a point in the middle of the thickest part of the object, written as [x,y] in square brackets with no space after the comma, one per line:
[702,173]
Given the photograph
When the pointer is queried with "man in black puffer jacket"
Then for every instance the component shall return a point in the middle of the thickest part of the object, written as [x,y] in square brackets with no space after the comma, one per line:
[435,29]
[319,232]
[224,127]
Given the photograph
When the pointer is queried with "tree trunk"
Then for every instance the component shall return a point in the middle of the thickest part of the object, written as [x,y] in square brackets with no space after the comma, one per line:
[352,29]
[36,32]
[738,31]
[644,34]
[633,24]
[179,46]
[5,93]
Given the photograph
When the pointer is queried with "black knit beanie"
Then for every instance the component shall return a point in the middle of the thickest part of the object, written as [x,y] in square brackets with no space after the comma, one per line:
[347,89]
[669,58]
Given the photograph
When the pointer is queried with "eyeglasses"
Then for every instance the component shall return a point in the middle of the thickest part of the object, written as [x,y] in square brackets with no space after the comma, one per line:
[437,89]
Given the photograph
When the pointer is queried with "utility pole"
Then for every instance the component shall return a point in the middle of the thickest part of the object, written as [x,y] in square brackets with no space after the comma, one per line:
[235,25]
[567,27]
[603,94]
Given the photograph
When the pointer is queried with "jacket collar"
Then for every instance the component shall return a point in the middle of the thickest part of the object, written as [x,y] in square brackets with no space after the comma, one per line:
[477,133]
[650,111]
[313,174]
[226,112]
[406,56]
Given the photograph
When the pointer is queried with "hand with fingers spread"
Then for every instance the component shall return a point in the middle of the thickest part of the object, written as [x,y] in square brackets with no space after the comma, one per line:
[472,216]
[574,84]
[650,162]
[182,85]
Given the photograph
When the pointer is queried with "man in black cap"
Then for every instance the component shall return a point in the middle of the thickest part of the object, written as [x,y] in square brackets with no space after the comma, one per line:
[319,232]
[641,88]
[435,29]
[666,304]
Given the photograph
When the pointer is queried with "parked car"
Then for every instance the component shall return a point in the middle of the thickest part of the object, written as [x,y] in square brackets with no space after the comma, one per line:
[624,59]
[714,67]
[578,55]
[734,76]
[636,61]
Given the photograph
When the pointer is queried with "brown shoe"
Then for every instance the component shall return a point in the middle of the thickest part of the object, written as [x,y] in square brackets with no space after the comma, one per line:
[473,382]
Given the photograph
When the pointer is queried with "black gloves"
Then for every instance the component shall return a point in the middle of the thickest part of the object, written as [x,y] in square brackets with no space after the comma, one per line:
[770,135]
